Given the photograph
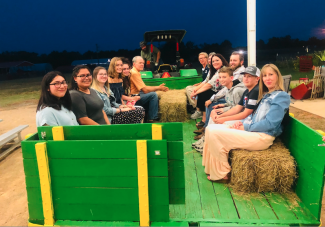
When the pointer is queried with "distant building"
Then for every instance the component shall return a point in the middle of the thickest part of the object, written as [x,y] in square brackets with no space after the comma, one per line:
[5,66]
[95,62]
[41,68]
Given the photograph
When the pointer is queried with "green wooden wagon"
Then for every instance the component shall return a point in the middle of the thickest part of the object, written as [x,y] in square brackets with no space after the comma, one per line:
[94,178]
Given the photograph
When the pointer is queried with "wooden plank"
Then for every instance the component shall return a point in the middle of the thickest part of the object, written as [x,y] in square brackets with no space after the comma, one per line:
[97,167]
[192,193]
[237,224]
[97,149]
[94,223]
[177,211]
[176,174]
[226,204]
[245,207]
[280,207]
[176,195]
[159,213]
[173,223]
[210,207]
[175,150]
[170,131]
[262,207]
[35,211]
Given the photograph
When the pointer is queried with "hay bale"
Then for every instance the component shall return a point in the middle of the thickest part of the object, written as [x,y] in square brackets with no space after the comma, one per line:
[172,106]
[270,170]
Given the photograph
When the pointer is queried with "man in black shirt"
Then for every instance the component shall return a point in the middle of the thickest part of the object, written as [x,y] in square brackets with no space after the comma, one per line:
[248,102]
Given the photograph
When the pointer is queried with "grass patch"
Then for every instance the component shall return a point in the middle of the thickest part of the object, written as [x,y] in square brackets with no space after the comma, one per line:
[296,74]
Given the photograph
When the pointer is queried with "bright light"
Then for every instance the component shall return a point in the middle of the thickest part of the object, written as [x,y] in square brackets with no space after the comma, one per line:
[241,52]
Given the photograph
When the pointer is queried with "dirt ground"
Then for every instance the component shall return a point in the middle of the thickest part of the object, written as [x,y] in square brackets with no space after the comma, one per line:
[13,197]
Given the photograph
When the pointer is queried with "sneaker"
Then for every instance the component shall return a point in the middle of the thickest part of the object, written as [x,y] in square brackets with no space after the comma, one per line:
[199,131]
[199,149]
[196,115]
[200,142]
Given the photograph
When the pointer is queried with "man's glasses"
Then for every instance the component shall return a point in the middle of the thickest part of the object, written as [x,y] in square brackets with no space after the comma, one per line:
[58,84]
[84,76]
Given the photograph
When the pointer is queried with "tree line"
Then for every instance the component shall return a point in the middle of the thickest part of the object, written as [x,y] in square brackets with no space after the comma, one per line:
[189,51]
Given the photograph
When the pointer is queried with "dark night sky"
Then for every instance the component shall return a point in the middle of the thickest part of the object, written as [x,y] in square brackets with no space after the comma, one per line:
[43,26]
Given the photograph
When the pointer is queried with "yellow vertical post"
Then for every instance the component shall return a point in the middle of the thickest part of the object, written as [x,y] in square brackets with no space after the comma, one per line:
[45,180]
[143,182]
[156,132]
[57,132]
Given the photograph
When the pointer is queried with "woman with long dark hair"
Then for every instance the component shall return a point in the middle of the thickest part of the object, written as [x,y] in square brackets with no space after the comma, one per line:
[86,104]
[209,86]
[54,105]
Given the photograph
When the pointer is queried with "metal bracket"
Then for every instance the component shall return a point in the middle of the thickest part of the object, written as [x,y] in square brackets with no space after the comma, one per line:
[43,134]
[157,152]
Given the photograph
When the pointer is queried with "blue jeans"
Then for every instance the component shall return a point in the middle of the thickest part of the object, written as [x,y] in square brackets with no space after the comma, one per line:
[149,101]
[209,109]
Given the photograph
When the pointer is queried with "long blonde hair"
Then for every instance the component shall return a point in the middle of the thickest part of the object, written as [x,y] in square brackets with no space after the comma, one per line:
[95,84]
[262,88]
[111,69]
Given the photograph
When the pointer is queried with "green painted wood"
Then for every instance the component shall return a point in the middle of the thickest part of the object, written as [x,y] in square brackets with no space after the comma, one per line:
[94,223]
[159,213]
[225,201]
[32,137]
[174,82]
[245,207]
[175,150]
[192,193]
[184,223]
[176,174]
[35,211]
[98,149]
[236,224]
[97,167]
[176,195]
[210,207]
[302,140]
[177,211]
[262,207]
[170,131]
[280,207]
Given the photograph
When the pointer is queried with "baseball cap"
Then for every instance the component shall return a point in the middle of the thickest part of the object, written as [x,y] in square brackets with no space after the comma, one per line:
[143,43]
[254,71]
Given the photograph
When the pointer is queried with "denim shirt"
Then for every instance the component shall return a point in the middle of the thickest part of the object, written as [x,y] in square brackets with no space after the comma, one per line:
[109,107]
[269,114]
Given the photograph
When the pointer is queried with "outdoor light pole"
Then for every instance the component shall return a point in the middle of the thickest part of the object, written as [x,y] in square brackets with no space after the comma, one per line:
[251,32]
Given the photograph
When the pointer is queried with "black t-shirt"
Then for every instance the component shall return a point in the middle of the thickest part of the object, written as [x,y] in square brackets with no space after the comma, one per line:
[249,98]
[88,105]
[205,72]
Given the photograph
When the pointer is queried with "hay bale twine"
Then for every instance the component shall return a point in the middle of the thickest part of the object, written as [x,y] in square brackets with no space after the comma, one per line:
[270,170]
[172,106]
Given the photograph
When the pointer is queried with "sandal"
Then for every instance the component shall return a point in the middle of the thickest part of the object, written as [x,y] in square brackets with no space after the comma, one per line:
[200,124]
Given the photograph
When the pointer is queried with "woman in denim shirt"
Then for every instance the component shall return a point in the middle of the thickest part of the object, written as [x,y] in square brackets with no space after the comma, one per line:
[256,132]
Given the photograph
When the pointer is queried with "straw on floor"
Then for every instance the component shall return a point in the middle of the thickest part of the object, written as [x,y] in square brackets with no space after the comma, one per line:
[270,170]
[172,106]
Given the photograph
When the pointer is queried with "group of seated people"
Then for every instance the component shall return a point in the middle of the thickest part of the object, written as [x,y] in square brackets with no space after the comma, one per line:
[241,108]
[114,96]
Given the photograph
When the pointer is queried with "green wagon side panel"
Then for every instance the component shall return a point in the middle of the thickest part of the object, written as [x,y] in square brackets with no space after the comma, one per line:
[174,82]
[171,132]
[94,223]
[188,72]
[176,181]
[302,142]
[146,74]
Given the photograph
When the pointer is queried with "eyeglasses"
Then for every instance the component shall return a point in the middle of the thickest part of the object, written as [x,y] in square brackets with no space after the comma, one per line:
[84,76]
[102,74]
[58,84]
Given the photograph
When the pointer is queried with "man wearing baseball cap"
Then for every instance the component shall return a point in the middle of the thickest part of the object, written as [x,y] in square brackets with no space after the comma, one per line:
[247,103]
[146,53]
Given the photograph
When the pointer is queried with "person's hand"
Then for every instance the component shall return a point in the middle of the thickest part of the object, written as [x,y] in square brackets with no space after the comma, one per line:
[324,138]
[213,115]
[162,87]
[207,103]
[123,106]
[196,84]
[193,94]
[238,125]
[136,98]
[218,106]
[219,120]
[125,109]
[131,107]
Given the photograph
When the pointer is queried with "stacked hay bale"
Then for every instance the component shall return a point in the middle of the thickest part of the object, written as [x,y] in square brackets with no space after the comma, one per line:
[172,106]
[270,170]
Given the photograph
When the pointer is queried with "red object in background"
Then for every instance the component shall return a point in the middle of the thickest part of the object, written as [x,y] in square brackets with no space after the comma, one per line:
[303,91]
[304,80]
[305,63]
[165,75]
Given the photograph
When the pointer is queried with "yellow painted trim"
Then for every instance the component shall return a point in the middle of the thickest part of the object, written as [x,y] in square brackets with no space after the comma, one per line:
[28,135]
[292,115]
[321,132]
[32,224]
[156,132]
[57,132]
[45,180]
[143,182]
